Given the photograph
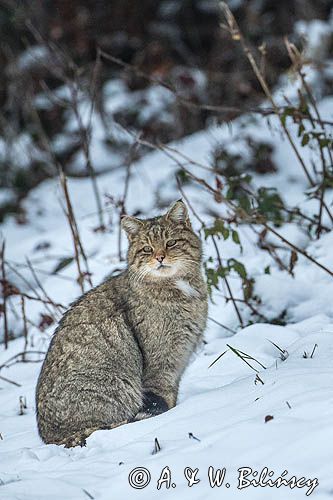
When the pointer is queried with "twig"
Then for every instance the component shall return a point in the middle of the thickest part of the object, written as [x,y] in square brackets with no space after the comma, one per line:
[85,139]
[9,363]
[296,59]
[39,284]
[89,495]
[44,301]
[25,326]
[61,64]
[188,203]
[264,111]
[192,436]
[10,381]
[74,230]
[255,220]
[157,446]
[3,272]
[123,200]
[29,285]
[225,279]
[313,350]
[250,306]
[297,249]
[227,282]
[237,35]
[28,296]
[41,271]
[221,324]
[22,405]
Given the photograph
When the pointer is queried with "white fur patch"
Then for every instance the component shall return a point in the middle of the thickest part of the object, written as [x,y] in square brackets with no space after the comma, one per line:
[186,288]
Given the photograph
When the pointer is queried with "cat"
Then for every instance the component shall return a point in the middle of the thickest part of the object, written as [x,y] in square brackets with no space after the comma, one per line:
[118,353]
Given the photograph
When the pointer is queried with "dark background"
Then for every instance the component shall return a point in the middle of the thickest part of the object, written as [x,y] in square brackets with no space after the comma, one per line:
[178,41]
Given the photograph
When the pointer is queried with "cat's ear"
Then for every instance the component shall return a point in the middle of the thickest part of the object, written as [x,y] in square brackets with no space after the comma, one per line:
[178,213]
[131,225]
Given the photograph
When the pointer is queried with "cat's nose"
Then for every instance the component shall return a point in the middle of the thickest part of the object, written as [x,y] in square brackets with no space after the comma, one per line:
[160,258]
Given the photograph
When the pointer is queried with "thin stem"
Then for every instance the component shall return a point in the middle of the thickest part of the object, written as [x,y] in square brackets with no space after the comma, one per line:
[227,282]
[264,111]
[3,272]
[25,326]
[237,35]
[297,249]
[70,216]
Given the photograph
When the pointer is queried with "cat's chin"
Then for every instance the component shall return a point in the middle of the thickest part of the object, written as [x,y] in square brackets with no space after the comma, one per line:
[160,272]
[164,271]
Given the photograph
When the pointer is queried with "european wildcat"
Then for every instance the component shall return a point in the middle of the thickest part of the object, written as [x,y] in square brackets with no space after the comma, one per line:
[119,352]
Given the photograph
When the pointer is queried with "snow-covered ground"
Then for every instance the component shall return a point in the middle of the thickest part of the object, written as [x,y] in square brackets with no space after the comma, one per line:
[223,416]
[221,406]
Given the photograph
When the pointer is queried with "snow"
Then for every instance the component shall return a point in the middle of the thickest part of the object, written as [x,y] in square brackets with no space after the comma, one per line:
[33,56]
[317,34]
[20,152]
[6,196]
[221,406]
[222,415]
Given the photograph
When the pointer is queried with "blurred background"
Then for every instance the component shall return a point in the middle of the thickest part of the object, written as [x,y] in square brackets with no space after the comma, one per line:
[64,60]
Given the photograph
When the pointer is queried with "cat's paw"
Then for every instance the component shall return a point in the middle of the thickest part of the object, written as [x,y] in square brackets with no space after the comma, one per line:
[153,404]
[141,415]
[75,440]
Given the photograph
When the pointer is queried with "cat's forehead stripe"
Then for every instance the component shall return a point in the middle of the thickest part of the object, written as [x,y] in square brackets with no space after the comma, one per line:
[155,231]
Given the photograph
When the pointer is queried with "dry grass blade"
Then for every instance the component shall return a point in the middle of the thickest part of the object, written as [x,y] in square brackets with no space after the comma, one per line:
[244,357]
[217,359]
[284,353]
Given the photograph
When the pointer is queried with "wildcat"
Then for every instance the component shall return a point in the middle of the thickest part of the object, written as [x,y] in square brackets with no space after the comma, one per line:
[118,353]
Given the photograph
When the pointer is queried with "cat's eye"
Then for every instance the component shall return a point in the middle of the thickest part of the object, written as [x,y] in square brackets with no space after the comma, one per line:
[171,243]
[147,249]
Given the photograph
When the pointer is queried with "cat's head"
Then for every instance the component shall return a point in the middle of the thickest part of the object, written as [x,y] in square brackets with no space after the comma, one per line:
[163,247]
